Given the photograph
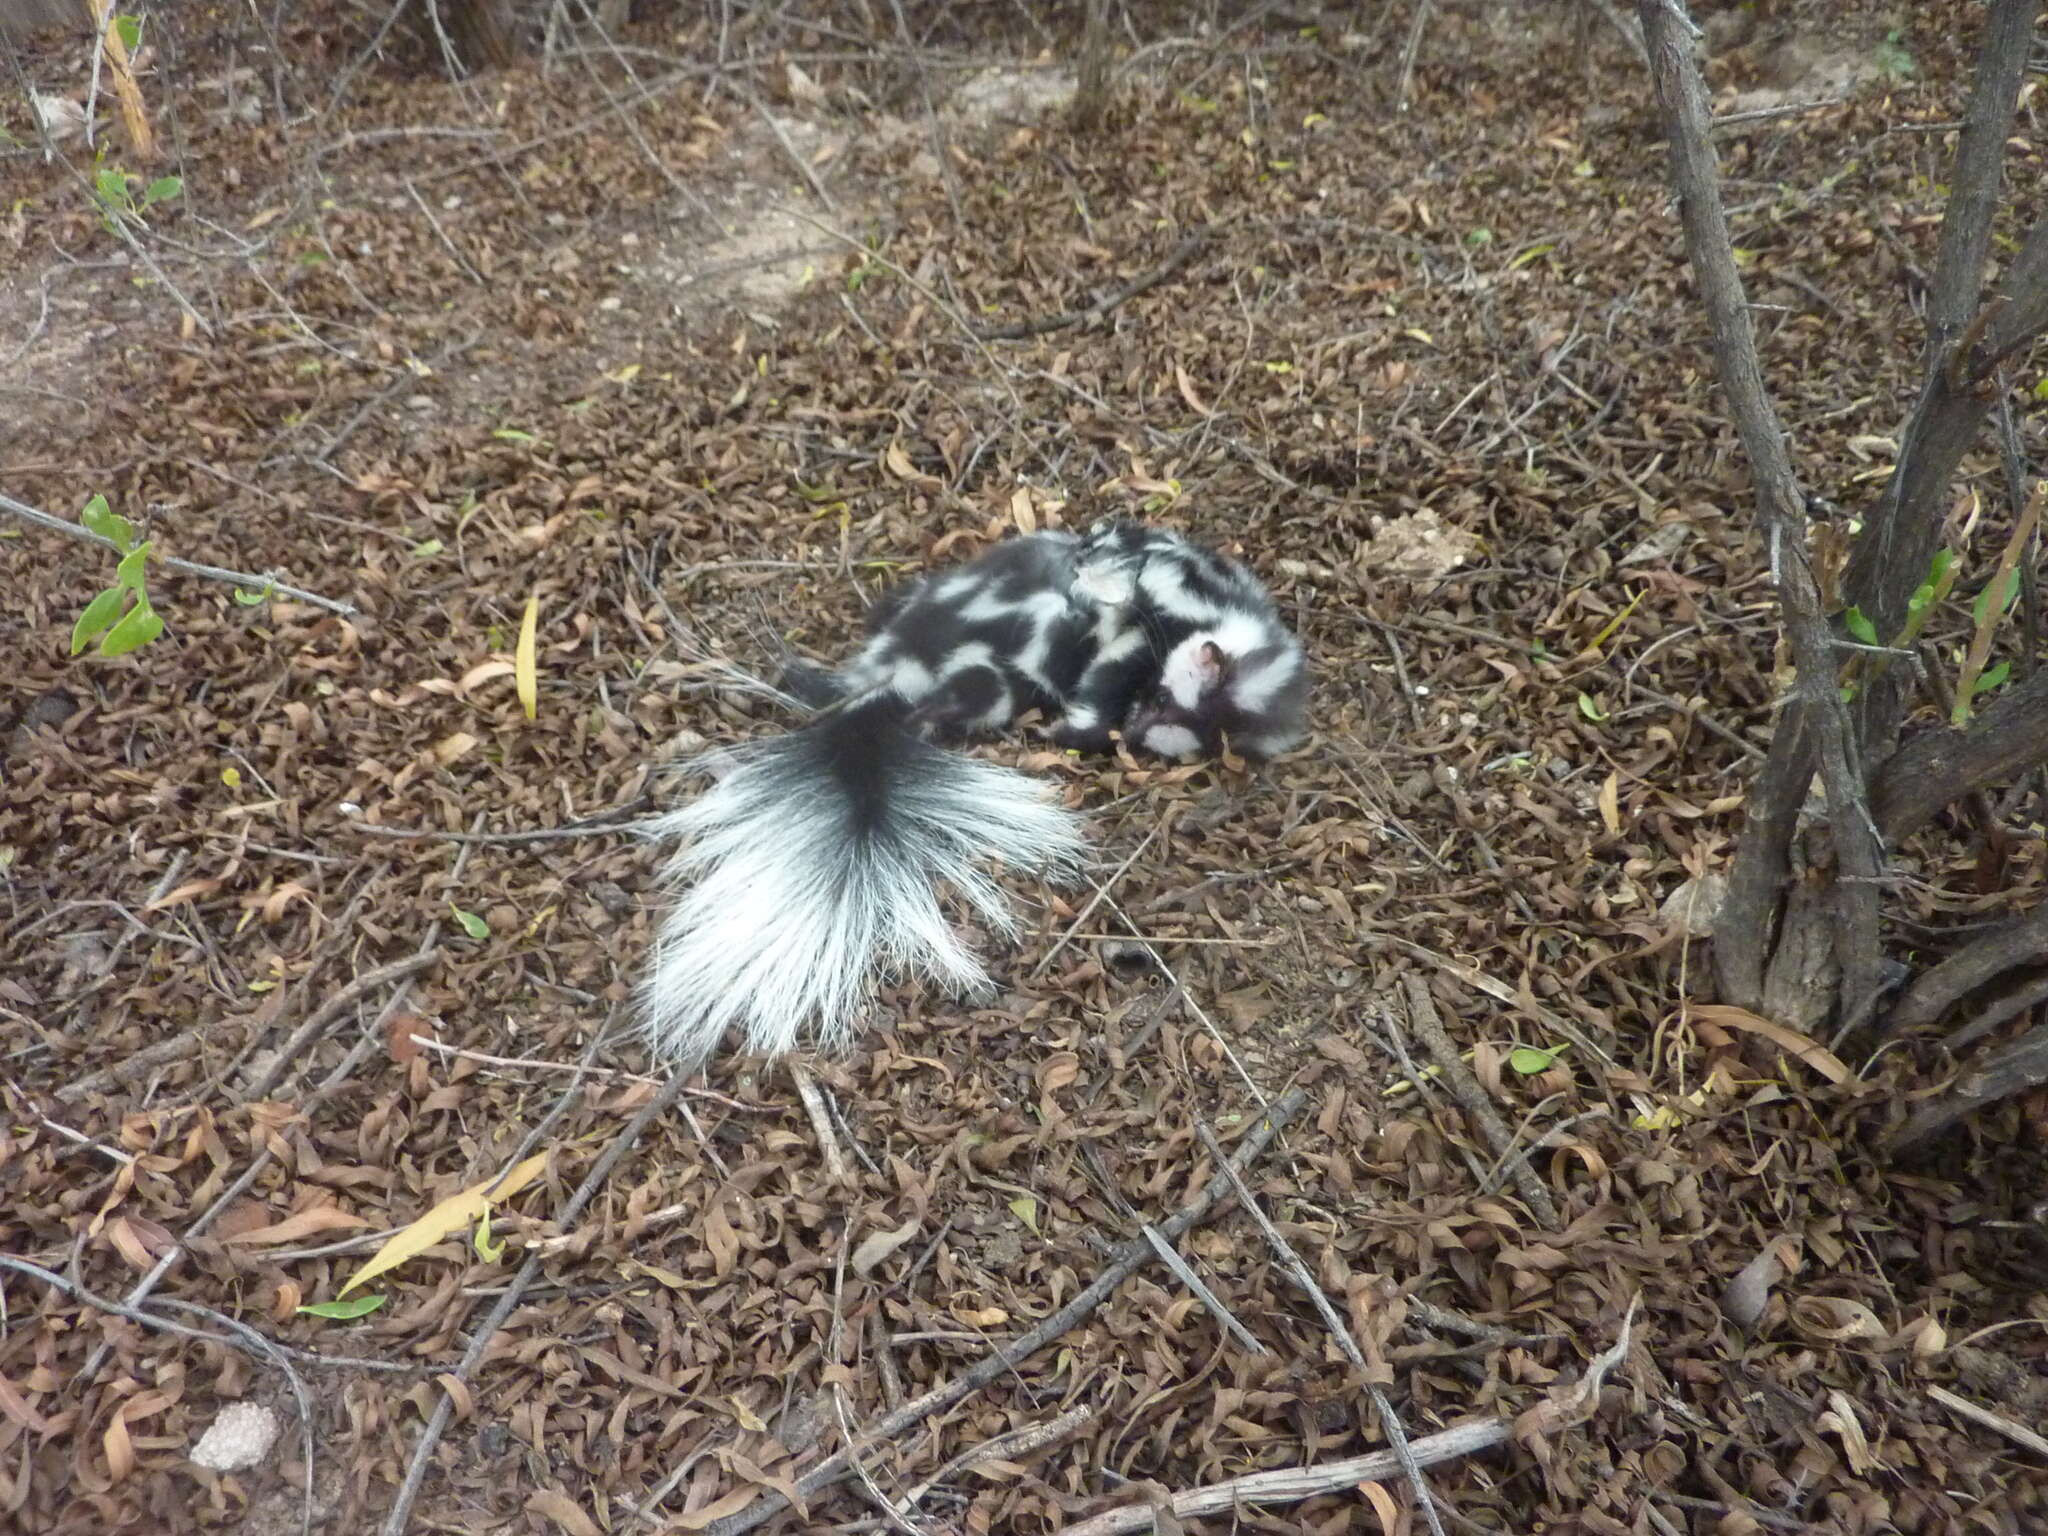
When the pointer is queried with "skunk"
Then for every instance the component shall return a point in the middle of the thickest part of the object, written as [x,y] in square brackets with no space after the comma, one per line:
[1220,666]
[816,858]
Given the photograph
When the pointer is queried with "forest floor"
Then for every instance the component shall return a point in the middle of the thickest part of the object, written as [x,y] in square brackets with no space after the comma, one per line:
[693,357]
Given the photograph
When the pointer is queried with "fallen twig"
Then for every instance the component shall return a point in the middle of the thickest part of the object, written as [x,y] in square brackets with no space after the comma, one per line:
[2017,1433]
[1390,1421]
[1126,1261]
[1473,1100]
[1022,330]
[1290,1485]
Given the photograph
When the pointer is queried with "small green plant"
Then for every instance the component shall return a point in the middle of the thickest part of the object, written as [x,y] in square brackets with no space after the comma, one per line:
[1892,56]
[120,618]
[115,191]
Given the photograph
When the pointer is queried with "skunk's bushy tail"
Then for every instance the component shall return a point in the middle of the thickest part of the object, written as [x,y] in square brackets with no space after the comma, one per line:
[815,862]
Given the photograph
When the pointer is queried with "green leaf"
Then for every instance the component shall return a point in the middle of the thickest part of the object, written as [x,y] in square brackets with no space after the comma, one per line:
[1534,253]
[163,189]
[250,599]
[98,615]
[472,925]
[344,1311]
[95,518]
[1992,679]
[1529,1060]
[426,549]
[1480,236]
[487,1250]
[129,28]
[1859,626]
[2041,389]
[512,435]
[112,187]
[134,568]
[1025,1209]
[1591,710]
[139,625]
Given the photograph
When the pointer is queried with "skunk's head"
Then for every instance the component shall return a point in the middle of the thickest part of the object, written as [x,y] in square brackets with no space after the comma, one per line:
[1211,691]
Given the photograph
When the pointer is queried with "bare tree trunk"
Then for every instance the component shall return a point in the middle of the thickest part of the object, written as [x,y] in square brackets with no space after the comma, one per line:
[483,33]
[1091,93]
[1766,954]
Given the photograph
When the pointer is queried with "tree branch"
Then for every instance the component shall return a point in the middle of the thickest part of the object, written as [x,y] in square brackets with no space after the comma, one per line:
[1781,504]
[269,584]
[2012,1069]
[1891,555]
[1938,767]
[2022,941]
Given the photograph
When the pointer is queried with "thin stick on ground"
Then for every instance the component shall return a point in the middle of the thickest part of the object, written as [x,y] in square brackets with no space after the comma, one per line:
[269,584]
[813,1098]
[1022,330]
[1291,1485]
[480,1342]
[1390,1421]
[1101,895]
[1422,1018]
[1124,1262]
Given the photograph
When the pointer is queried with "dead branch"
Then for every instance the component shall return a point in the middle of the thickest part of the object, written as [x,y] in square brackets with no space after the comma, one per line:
[1022,330]
[2020,942]
[1473,1100]
[293,1050]
[2014,1431]
[189,1043]
[1781,506]
[1124,1262]
[1305,1281]
[65,526]
[2009,1070]
[134,117]
[1289,1485]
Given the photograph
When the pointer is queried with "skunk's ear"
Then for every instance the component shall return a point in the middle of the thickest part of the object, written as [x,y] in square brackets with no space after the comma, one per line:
[1213,666]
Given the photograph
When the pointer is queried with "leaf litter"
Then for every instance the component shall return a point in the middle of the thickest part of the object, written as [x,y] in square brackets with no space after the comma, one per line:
[558,481]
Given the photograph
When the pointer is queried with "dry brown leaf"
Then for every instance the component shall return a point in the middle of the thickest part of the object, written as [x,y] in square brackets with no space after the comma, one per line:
[877,1246]
[1811,1052]
[563,1512]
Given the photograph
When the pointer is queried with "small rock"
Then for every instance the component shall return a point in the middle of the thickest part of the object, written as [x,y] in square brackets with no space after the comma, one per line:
[240,1437]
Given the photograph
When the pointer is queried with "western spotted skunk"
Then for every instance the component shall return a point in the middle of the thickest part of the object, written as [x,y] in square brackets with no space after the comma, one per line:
[817,857]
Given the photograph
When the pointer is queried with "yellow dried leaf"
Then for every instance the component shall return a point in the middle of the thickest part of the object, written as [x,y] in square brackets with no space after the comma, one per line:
[524,678]
[446,1219]
[1610,804]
